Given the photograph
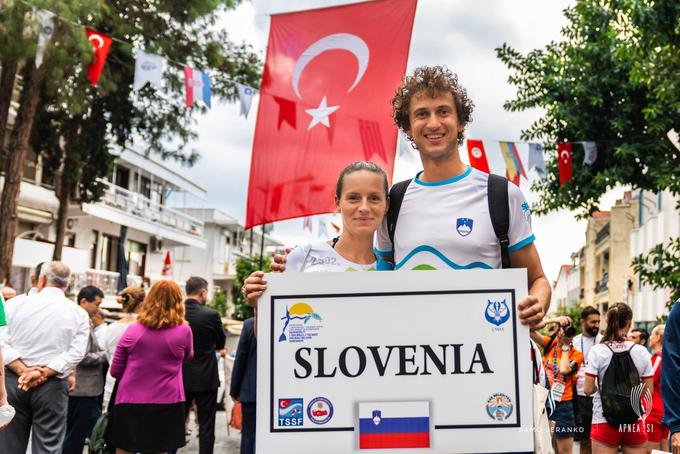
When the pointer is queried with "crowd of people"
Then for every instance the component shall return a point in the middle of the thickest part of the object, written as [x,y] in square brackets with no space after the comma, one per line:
[64,365]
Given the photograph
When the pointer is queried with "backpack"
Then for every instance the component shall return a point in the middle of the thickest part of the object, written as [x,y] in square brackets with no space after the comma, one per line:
[617,387]
[499,211]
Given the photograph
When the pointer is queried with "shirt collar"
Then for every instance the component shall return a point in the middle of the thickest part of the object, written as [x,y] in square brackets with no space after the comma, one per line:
[47,291]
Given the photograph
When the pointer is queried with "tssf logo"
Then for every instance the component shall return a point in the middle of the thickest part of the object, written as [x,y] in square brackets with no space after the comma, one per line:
[290,412]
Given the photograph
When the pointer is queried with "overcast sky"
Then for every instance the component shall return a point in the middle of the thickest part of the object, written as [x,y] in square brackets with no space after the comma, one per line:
[460,34]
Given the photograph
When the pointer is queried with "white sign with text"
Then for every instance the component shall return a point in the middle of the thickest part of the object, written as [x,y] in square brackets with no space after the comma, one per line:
[408,361]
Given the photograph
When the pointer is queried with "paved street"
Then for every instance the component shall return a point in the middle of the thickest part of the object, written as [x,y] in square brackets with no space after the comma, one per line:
[225,443]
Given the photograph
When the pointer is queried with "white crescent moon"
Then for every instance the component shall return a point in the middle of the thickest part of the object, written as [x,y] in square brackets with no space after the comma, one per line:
[564,155]
[342,41]
[98,39]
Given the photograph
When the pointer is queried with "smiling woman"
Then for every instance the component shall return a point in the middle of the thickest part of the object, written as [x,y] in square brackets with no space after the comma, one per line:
[361,197]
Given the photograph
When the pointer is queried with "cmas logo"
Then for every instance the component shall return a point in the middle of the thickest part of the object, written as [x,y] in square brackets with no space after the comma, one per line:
[526,212]
[464,226]
[301,322]
[497,312]
[499,407]
[320,410]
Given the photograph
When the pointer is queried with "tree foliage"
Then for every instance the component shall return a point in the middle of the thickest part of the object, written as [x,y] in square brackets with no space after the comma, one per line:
[81,127]
[243,269]
[219,302]
[612,80]
[661,268]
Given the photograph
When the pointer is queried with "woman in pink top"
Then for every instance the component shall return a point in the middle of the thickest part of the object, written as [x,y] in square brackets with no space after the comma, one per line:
[148,415]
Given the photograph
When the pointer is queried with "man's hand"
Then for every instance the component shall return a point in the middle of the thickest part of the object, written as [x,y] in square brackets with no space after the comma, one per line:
[71,382]
[279,264]
[254,286]
[531,312]
[675,443]
[32,378]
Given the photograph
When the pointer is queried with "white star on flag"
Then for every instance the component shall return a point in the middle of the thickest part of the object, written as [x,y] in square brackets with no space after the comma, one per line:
[320,114]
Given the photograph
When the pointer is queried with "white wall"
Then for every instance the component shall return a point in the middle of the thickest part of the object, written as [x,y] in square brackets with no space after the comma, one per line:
[659,225]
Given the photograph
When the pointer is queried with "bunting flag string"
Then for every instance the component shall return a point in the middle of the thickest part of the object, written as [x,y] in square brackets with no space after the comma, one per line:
[148,67]
[505,158]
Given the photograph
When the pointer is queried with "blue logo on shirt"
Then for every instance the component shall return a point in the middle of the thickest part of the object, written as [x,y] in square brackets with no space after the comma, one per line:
[464,226]
[526,212]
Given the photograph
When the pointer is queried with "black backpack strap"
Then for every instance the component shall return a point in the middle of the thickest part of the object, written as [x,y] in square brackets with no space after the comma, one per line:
[396,197]
[499,210]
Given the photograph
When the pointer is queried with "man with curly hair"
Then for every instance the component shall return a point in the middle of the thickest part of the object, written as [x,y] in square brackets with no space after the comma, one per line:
[444,220]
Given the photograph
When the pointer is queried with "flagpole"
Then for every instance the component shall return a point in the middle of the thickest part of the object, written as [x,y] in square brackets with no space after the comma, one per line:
[262,248]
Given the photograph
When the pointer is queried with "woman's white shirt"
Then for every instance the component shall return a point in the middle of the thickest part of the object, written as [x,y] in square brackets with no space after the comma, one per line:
[320,258]
[599,358]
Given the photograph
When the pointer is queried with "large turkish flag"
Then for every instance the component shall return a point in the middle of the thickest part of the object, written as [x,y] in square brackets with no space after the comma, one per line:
[325,98]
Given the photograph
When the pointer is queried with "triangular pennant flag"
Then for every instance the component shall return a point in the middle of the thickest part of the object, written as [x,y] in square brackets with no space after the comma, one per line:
[197,85]
[564,162]
[167,265]
[245,96]
[404,147]
[511,167]
[148,68]
[674,137]
[46,24]
[101,44]
[536,159]
[307,224]
[590,153]
[323,228]
[514,180]
[477,155]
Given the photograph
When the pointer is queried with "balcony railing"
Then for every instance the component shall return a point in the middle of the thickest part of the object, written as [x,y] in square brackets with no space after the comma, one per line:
[603,284]
[602,234]
[139,206]
[106,281]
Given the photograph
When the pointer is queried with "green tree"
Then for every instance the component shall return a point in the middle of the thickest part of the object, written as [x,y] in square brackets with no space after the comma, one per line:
[661,268]
[243,269]
[219,302]
[81,125]
[612,80]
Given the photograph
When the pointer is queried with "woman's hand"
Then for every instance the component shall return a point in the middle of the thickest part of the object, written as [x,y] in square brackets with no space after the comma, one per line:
[253,287]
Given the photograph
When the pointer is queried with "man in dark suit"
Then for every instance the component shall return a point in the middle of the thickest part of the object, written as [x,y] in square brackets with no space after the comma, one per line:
[244,383]
[200,374]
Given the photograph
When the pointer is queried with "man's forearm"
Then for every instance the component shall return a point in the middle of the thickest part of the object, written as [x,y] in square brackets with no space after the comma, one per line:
[17,366]
[540,288]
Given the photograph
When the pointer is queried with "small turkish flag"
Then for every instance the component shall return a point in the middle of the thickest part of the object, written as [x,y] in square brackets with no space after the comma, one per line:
[477,155]
[101,44]
[167,265]
[564,162]
[324,103]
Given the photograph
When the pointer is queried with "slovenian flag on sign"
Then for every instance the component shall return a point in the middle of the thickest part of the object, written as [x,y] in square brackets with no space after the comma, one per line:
[197,85]
[394,425]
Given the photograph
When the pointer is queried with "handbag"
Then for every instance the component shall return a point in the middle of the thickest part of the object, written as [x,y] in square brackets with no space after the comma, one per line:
[99,442]
[542,435]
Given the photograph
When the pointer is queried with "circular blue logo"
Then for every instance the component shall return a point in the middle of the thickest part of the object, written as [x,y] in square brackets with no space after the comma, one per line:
[320,410]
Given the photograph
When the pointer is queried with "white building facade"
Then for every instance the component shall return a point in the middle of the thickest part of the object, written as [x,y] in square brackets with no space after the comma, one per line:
[658,222]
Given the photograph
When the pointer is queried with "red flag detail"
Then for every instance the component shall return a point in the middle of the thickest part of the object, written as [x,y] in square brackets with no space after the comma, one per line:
[101,44]
[514,180]
[167,265]
[371,141]
[325,69]
[564,162]
[286,112]
[477,155]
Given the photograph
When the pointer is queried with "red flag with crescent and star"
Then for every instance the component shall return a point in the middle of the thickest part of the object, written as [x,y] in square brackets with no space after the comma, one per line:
[477,155]
[328,79]
[564,162]
[101,44]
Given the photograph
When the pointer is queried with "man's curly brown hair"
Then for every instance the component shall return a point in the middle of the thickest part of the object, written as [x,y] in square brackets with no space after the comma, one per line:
[432,80]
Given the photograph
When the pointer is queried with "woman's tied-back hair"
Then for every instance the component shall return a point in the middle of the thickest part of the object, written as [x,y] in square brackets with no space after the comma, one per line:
[163,306]
[130,298]
[357,166]
[618,317]
[431,80]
